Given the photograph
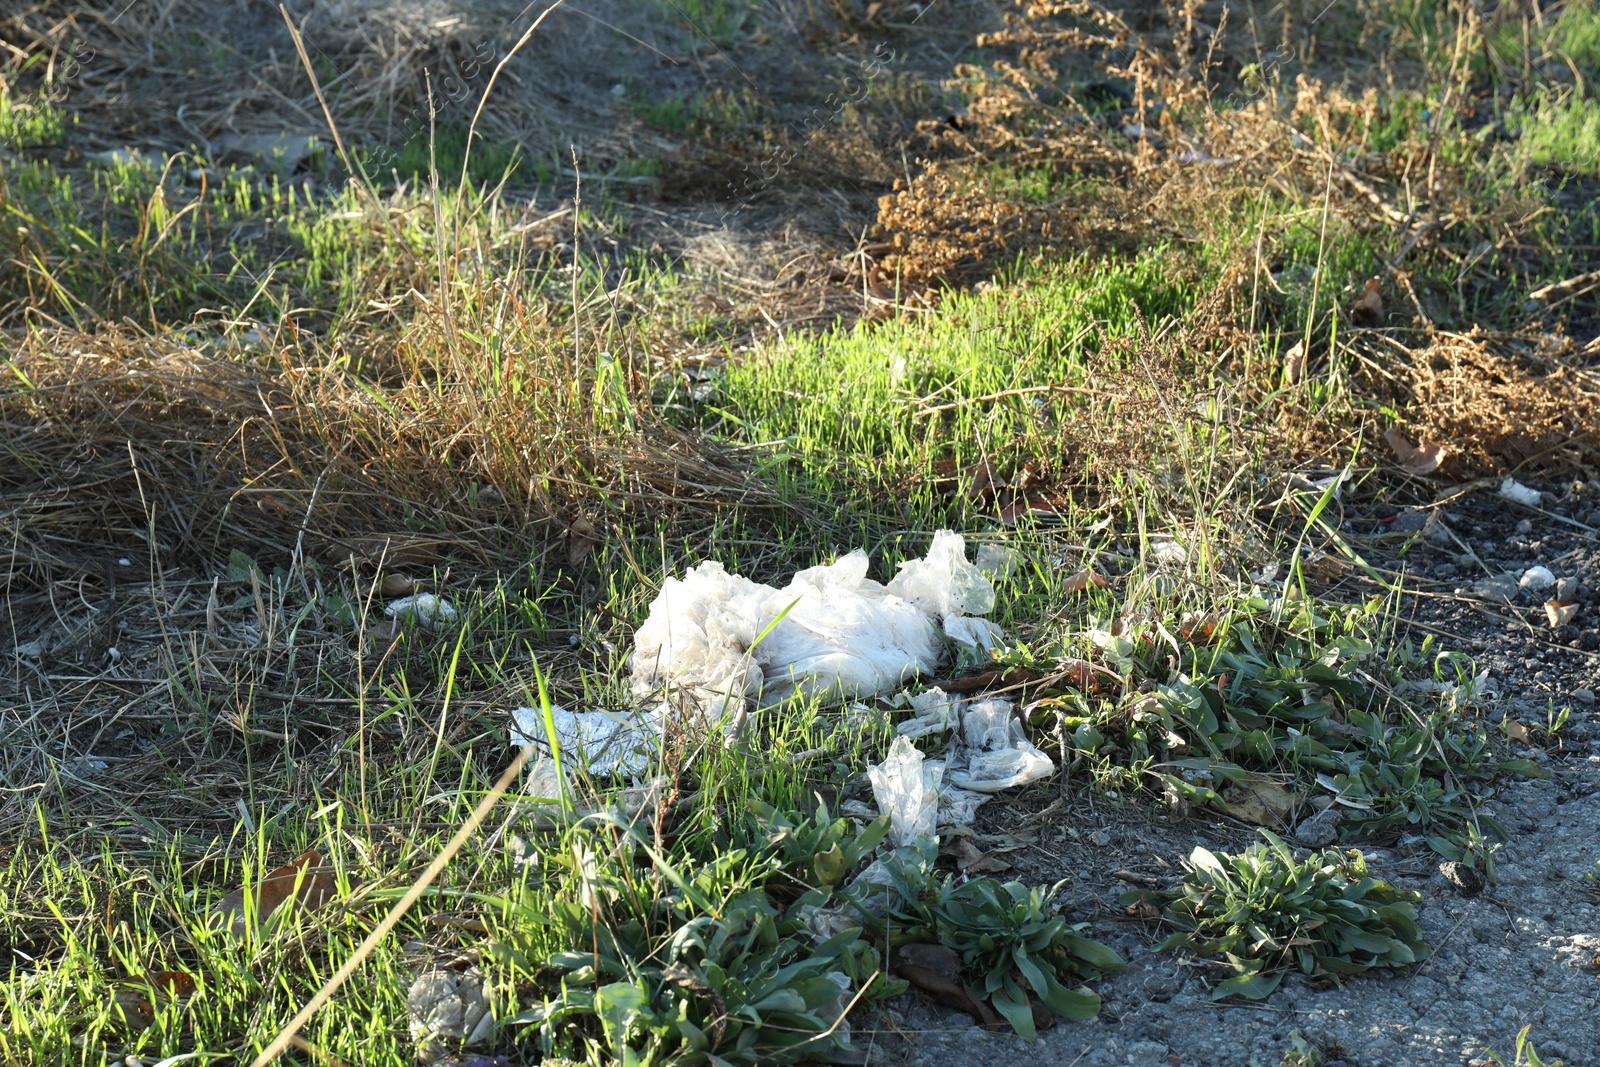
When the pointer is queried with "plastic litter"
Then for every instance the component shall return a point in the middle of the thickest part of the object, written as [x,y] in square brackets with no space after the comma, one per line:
[990,753]
[936,712]
[605,742]
[906,788]
[831,634]
[973,635]
[428,611]
[998,755]
[447,1009]
[997,561]
[1512,489]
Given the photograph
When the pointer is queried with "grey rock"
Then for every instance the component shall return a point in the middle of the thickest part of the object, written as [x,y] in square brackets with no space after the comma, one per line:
[1320,829]
[1467,880]
[1583,696]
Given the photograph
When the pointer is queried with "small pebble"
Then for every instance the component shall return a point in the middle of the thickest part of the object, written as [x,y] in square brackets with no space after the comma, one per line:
[1100,838]
[1583,696]
[1525,526]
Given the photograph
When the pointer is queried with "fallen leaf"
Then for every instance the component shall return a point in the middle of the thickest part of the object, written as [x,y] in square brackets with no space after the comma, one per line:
[1084,579]
[1368,309]
[1294,363]
[936,970]
[1560,612]
[582,539]
[972,859]
[1199,627]
[1260,800]
[1039,507]
[304,883]
[1519,733]
[1423,457]
[396,585]
[135,999]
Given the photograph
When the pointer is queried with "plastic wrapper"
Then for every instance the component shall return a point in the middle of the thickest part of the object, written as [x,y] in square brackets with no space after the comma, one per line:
[907,790]
[603,742]
[936,712]
[997,754]
[831,634]
[448,1010]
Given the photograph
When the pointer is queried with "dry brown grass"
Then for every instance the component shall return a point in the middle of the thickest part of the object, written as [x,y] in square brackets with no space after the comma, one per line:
[1504,403]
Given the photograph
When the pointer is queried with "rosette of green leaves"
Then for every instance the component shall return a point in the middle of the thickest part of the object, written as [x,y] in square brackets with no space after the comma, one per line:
[1261,913]
[1010,938]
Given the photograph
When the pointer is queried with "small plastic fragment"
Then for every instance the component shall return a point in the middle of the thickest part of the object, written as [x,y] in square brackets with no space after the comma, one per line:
[907,790]
[936,712]
[447,1010]
[428,611]
[998,755]
[1537,579]
[603,742]
[1512,489]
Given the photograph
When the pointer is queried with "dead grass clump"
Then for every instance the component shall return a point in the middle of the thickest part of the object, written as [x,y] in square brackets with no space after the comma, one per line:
[940,224]
[119,445]
[1506,402]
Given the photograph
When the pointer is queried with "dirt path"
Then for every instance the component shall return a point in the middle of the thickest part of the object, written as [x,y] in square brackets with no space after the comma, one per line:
[1524,951]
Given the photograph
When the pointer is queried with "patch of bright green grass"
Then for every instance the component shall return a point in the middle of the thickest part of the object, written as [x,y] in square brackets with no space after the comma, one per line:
[855,404]
[492,160]
[1562,132]
[29,124]
[720,22]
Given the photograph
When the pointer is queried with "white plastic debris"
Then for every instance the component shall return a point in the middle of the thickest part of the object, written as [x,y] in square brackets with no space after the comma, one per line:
[428,611]
[1537,579]
[907,790]
[604,742]
[831,634]
[1512,489]
[997,754]
[447,1009]
[989,753]
[973,635]
[936,712]
[943,583]
[1166,551]
[997,561]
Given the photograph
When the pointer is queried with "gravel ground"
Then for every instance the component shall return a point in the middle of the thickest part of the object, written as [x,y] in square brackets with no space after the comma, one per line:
[1524,951]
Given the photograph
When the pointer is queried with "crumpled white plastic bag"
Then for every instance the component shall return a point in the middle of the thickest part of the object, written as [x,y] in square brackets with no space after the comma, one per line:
[832,633]
[936,712]
[997,754]
[906,788]
[446,1010]
[990,753]
[606,742]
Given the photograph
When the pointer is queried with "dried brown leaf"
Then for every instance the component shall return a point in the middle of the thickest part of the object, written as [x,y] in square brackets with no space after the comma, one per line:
[1423,457]
[1560,612]
[1294,363]
[1368,309]
[582,539]
[1084,579]
[1260,800]
[305,883]
[397,585]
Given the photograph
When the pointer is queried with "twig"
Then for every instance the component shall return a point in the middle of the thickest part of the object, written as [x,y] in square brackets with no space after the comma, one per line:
[286,1037]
